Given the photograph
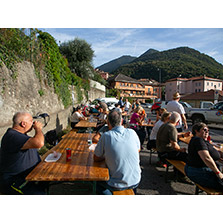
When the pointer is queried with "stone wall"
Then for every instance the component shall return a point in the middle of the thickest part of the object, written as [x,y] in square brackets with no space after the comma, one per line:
[21,93]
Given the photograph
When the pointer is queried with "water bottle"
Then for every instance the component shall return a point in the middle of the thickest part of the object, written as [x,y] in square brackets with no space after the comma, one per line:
[89,137]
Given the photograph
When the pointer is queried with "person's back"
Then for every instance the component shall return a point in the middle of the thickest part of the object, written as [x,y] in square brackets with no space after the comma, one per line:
[165,134]
[121,146]
[175,106]
[166,141]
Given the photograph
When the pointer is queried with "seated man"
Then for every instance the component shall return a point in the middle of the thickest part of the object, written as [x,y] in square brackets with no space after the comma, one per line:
[166,140]
[119,147]
[18,156]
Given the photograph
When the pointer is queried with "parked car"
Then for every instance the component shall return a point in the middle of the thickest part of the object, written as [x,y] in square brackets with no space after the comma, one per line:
[209,115]
[145,105]
[163,104]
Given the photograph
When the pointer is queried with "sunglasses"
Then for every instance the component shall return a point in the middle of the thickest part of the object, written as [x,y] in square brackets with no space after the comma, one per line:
[206,130]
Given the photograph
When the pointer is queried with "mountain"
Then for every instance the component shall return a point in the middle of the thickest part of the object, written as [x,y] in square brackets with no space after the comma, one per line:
[183,61]
[114,64]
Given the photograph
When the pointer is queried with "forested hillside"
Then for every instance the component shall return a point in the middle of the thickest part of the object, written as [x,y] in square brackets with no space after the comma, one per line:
[183,61]
[114,64]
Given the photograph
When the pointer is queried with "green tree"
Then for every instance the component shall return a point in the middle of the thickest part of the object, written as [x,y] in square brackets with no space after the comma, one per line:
[79,55]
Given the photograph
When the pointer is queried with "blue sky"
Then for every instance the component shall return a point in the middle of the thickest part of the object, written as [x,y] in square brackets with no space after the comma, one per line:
[124,27]
[111,43]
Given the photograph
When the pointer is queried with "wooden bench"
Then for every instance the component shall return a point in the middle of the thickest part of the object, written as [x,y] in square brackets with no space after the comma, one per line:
[124,192]
[179,165]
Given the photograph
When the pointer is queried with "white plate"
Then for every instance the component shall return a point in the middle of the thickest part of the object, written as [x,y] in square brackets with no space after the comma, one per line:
[51,158]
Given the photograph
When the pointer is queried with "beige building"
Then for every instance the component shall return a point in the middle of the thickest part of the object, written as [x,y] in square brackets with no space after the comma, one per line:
[191,85]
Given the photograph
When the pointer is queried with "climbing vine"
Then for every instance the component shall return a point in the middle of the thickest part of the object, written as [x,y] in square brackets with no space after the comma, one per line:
[41,49]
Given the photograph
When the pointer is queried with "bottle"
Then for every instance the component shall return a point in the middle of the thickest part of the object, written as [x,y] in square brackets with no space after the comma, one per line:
[89,137]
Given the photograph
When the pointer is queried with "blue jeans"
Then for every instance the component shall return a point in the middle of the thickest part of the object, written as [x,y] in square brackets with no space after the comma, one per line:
[203,176]
[104,189]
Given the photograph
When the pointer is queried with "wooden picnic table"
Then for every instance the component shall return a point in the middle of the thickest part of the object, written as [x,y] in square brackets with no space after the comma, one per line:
[151,124]
[81,167]
[185,139]
[86,124]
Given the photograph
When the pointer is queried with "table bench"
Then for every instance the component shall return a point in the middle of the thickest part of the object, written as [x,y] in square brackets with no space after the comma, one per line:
[179,165]
[124,192]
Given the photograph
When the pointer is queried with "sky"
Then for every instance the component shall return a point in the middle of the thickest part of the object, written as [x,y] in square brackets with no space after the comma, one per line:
[111,43]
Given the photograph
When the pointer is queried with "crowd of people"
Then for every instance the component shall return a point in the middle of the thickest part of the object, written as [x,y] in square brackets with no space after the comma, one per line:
[120,135]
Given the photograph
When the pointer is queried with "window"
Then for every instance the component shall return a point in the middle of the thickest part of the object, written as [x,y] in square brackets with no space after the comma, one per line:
[212,84]
[207,83]
[199,83]
[219,84]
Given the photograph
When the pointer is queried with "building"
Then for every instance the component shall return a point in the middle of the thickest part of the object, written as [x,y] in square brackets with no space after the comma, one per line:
[103,74]
[129,87]
[191,85]
[194,99]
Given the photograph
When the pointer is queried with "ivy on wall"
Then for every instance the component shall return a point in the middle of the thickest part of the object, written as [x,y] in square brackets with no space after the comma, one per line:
[41,49]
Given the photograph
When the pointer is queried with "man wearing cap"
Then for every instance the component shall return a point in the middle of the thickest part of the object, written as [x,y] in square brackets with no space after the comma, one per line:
[174,105]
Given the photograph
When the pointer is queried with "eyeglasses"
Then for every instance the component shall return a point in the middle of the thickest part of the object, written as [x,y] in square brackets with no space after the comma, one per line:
[206,130]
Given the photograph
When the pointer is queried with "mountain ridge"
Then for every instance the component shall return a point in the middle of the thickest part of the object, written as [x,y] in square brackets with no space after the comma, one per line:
[183,61]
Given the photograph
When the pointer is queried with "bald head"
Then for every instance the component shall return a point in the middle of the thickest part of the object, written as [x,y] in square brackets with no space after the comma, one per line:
[21,117]
[175,117]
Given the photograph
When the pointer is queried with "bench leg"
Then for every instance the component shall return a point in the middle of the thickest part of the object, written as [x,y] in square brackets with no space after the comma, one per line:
[166,175]
[197,190]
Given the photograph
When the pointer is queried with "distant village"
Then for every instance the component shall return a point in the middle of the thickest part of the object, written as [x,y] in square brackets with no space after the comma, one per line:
[192,90]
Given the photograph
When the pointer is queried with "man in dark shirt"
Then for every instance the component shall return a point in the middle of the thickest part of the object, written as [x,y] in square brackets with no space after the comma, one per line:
[166,140]
[18,155]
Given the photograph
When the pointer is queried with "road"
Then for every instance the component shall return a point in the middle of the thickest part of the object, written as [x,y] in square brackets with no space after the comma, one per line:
[215,130]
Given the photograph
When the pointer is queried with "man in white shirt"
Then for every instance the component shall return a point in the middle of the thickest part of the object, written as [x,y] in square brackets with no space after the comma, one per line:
[127,105]
[174,105]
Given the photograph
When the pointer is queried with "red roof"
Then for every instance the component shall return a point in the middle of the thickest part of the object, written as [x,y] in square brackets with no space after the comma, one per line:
[206,96]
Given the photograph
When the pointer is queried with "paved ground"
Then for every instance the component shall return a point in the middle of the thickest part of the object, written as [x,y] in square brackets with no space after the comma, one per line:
[153,177]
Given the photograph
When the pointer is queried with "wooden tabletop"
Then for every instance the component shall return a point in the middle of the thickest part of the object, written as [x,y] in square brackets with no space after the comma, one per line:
[151,124]
[86,124]
[185,139]
[81,167]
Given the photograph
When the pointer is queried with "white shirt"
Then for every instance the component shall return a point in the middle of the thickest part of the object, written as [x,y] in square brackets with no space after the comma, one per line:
[155,130]
[177,107]
[127,105]
[76,117]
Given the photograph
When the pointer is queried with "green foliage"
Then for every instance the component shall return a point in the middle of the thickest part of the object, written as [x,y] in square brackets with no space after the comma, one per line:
[79,55]
[182,61]
[114,64]
[113,92]
[41,49]
[41,92]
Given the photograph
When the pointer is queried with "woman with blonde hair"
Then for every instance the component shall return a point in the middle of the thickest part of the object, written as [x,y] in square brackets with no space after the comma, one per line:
[136,124]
